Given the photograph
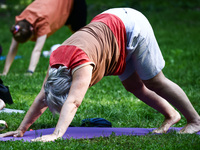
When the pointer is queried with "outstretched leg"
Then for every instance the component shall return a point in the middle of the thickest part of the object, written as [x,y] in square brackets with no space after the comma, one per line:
[135,85]
[176,96]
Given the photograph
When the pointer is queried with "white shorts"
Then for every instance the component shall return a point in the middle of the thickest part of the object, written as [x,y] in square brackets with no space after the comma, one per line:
[143,53]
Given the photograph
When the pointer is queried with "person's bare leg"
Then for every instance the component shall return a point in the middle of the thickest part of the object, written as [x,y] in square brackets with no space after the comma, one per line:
[176,96]
[135,85]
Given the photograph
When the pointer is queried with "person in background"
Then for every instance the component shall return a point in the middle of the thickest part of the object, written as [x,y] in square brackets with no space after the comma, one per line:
[119,41]
[41,19]
[5,95]
[2,104]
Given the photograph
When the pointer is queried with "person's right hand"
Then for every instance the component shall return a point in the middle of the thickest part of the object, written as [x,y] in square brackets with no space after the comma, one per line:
[16,133]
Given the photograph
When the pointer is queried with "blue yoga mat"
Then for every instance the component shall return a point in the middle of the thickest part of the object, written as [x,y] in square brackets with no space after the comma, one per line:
[4,57]
[87,132]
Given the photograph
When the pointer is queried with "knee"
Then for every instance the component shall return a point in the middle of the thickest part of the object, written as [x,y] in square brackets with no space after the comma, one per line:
[134,84]
[153,86]
[157,83]
[135,89]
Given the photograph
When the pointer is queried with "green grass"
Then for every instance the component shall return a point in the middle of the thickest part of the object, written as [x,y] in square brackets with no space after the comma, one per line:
[176,26]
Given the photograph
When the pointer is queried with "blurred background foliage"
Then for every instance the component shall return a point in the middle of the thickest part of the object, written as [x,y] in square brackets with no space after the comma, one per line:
[12,5]
[11,8]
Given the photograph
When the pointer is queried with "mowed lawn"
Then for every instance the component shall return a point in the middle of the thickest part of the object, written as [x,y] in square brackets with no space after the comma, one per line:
[176,26]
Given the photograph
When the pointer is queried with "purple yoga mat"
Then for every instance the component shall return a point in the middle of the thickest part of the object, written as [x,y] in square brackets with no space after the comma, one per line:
[86,132]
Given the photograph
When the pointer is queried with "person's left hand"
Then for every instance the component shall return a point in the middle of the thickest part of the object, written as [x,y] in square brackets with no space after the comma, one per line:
[46,138]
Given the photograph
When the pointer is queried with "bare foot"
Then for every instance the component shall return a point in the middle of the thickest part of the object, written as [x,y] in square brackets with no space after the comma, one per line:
[191,127]
[2,104]
[168,122]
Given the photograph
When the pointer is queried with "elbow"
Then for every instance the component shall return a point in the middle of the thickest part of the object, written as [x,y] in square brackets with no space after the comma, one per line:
[77,103]
[71,106]
[40,99]
[41,102]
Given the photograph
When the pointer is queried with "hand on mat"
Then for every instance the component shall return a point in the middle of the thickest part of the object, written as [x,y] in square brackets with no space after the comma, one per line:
[16,133]
[46,138]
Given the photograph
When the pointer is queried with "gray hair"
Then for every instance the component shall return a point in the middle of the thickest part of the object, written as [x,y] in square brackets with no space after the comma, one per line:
[57,88]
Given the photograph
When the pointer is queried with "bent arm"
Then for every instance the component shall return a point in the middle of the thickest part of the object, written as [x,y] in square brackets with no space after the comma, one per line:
[35,56]
[11,55]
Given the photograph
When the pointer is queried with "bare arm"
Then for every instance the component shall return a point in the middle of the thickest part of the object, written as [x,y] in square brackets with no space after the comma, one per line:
[80,84]
[11,55]
[36,52]
[35,111]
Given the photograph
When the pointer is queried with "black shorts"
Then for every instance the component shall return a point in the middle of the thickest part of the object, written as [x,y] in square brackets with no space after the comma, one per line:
[78,16]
